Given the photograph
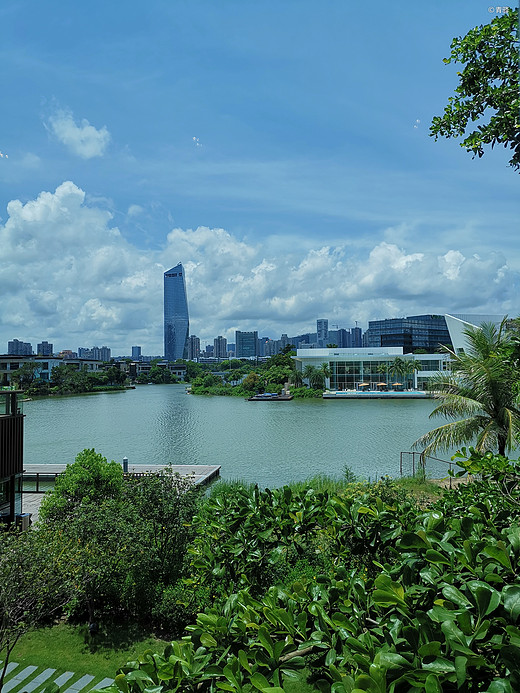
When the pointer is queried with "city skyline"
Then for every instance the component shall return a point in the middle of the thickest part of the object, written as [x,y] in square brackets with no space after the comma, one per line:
[410,332]
[281,151]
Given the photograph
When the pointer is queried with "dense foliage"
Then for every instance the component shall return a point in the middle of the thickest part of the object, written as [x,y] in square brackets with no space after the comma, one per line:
[488,88]
[66,379]
[130,535]
[248,379]
[363,589]
[357,587]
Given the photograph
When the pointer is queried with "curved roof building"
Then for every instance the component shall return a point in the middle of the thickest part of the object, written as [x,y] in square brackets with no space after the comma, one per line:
[176,319]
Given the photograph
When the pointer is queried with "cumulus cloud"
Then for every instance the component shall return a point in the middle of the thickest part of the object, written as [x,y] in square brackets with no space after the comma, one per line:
[84,139]
[68,275]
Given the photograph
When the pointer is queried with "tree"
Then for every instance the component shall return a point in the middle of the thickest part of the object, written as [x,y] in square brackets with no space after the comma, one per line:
[308,373]
[26,374]
[89,478]
[165,504]
[483,389]
[115,375]
[35,582]
[110,554]
[160,375]
[231,377]
[68,379]
[488,90]
[252,382]
[410,368]
[193,370]
[325,370]
[296,377]
[397,368]
[316,376]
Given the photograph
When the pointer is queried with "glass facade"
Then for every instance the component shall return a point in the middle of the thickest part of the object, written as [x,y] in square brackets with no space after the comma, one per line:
[426,332]
[176,320]
[246,344]
[349,375]
[373,371]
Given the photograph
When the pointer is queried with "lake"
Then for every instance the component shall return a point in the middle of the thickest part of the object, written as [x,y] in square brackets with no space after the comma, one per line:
[269,443]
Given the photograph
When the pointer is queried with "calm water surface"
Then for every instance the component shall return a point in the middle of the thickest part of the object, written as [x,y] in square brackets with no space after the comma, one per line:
[270,443]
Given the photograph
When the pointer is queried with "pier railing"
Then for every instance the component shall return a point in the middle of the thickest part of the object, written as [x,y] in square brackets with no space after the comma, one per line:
[418,461]
[38,482]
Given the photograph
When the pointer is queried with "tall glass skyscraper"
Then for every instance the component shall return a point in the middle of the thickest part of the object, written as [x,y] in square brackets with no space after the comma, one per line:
[176,320]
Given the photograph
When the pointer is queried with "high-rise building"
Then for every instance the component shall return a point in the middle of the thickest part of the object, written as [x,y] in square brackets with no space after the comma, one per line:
[263,346]
[357,336]
[246,344]
[45,349]
[220,347]
[176,320]
[136,353]
[322,332]
[193,347]
[18,348]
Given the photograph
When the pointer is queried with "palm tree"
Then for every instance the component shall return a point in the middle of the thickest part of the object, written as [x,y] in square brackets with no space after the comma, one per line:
[481,392]
[308,373]
[411,367]
[314,376]
[325,371]
[296,377]
[384,369]
[397,368]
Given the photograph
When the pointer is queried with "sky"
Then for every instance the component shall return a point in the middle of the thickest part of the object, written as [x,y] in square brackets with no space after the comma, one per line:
[279,149]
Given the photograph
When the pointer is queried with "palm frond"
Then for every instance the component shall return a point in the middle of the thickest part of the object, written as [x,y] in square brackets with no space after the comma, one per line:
[450,435]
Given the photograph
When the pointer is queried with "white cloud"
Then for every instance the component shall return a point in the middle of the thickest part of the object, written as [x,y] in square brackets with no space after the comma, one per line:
[135,210]
[83,139]
[68,275]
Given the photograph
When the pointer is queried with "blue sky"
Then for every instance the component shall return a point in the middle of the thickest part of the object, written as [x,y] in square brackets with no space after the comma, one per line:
[279,150]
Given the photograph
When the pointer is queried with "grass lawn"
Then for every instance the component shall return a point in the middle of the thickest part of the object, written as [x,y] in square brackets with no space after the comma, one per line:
[71,648]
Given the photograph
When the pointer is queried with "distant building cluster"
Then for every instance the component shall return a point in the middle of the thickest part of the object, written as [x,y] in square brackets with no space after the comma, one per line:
[97,353]
[18,348]
[412,334]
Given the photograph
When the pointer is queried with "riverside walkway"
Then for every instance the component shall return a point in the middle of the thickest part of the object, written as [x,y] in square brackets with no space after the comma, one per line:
[32,678]
[199,473]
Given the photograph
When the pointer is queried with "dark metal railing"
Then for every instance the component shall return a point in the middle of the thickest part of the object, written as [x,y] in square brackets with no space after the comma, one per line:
[38,483]
[419,459]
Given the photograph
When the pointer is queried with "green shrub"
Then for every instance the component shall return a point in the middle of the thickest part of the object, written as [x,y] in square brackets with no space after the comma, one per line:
[178,606]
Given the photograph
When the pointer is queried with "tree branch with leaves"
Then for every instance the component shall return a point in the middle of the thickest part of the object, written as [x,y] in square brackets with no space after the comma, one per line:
[488,92]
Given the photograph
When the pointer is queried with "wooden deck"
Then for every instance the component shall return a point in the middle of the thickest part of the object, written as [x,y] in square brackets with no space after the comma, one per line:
[201,473]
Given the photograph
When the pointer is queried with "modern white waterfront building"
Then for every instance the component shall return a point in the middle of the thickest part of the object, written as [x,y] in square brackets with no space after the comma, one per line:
[372,368]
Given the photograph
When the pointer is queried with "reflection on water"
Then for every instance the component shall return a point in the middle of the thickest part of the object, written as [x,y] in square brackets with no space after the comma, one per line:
[270,443]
